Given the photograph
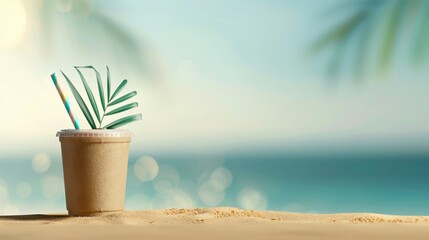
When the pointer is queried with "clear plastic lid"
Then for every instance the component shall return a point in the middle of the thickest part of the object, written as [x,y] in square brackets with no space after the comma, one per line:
[94,133]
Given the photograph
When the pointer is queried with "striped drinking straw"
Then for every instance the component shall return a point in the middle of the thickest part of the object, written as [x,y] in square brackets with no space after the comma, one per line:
[65,101]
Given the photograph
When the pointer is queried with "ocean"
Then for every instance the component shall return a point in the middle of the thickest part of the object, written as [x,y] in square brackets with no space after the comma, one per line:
[382,182]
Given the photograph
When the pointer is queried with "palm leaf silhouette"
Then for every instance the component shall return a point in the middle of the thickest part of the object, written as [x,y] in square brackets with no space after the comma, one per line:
[90,28]
[378,22]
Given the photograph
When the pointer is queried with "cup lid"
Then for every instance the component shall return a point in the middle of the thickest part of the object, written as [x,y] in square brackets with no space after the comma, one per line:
[94,133]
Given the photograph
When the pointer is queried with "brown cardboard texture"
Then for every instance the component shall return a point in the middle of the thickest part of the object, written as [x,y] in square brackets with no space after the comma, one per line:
[95,172]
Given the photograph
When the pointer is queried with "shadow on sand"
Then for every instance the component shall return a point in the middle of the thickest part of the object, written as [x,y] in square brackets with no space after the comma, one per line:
[34,217]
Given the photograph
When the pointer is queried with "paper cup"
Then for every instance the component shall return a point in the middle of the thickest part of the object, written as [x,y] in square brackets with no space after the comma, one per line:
[95,169]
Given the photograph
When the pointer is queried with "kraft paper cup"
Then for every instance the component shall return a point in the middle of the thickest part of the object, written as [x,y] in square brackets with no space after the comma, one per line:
[95,169]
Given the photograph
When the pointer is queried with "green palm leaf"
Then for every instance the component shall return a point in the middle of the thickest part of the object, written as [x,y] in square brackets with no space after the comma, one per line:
[392,29]
[80,102]
[108,83]
[421,45]
[339,33]
[99,84]
[335,64]
[100,89]
[378,23]
[123,108]
[90,95]
[362,45]
[123,98]
[339,37]
[123,121]
[119,89]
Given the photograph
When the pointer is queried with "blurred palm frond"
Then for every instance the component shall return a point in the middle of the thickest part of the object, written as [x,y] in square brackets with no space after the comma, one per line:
[379,22]
[90,30]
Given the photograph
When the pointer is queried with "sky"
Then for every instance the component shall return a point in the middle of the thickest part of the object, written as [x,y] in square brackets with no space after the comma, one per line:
[218,77]
[231,74]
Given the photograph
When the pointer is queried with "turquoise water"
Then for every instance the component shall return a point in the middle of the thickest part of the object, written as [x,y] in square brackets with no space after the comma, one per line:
[323,183]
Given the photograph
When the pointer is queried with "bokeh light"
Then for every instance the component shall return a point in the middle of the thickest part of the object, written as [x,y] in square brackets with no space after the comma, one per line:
[178,198]
[146,168]
[3,191]
[160,201]
[41,163]
[210,195]
[163,186]
[221,178]
[191,187]
[168,178]
[249,198]
[139,201]
[52,187]
[13,22]
[24,189]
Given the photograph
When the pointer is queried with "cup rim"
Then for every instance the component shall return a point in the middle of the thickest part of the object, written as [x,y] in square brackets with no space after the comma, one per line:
[94,133]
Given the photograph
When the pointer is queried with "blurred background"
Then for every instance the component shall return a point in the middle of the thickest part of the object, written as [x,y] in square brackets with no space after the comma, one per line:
[303,106]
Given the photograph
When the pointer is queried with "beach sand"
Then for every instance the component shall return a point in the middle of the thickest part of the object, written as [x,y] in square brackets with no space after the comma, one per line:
[214,223]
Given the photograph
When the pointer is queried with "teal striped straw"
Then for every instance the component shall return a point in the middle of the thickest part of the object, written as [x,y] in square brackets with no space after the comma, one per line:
[65,101]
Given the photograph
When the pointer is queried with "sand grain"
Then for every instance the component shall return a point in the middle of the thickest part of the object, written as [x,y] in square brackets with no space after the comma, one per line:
[214,223]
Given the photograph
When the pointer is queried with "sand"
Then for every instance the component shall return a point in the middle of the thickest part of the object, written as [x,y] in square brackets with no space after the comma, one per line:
[214,223]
